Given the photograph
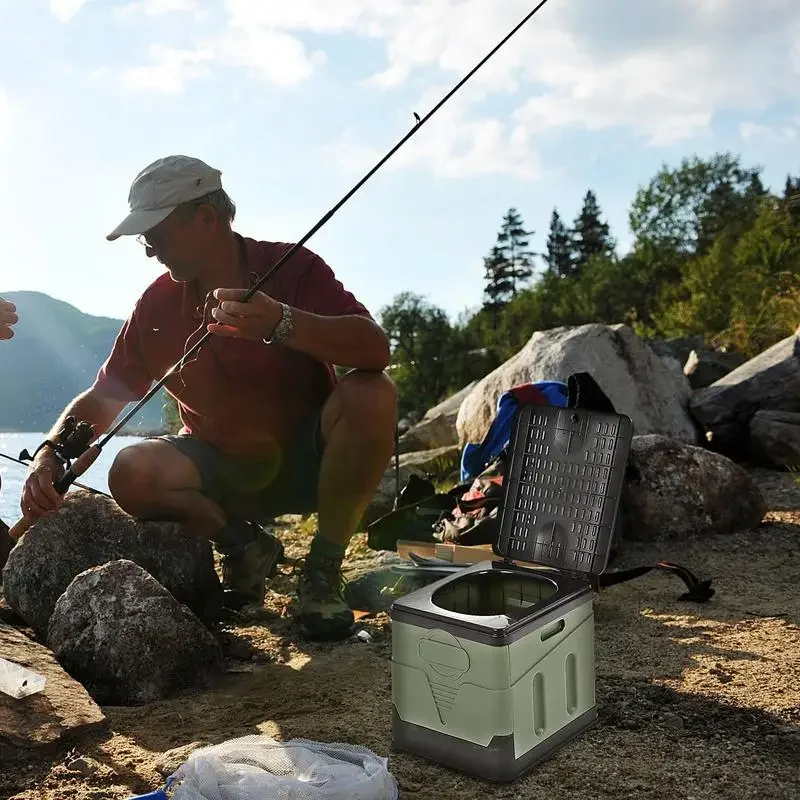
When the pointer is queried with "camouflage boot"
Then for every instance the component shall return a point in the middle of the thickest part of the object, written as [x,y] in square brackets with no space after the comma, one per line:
[250,556]
[322,611]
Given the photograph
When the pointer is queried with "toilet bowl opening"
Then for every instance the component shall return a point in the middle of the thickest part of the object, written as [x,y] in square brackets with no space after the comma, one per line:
[494,593]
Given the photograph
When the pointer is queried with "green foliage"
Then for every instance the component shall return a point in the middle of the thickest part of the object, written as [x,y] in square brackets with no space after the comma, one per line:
[509,265]
[170,416]
[591,238]
[430,358]
[681,211]
[559,248]
[714,253]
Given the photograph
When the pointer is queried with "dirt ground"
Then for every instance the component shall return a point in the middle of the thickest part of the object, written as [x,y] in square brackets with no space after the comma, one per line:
[695,701]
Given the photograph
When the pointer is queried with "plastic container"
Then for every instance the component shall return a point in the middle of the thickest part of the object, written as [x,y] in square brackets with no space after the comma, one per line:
[17,681]
[493,667]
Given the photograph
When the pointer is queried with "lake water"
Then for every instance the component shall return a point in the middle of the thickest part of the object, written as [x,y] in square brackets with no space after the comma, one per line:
[13,475]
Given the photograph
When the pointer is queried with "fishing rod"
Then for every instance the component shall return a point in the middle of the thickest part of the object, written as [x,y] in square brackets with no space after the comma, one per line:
[74,483]
[90,454]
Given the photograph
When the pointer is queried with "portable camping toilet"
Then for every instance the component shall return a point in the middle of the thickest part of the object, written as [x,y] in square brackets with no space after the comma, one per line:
[493,666]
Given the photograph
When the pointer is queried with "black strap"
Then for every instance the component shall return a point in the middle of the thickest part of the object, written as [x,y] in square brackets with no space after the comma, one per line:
[698,591]
[397,464]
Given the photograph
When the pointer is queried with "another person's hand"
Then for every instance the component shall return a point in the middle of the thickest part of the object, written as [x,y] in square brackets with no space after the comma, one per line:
[8,318]
[39,497]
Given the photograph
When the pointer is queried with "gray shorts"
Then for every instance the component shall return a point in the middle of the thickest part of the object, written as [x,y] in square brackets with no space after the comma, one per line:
[249,488]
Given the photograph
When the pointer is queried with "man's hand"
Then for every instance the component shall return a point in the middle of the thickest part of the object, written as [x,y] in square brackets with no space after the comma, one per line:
[8,317]
[255,319]
[39,497]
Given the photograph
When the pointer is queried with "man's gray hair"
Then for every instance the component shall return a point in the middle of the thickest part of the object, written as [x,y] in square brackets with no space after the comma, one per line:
[219,199]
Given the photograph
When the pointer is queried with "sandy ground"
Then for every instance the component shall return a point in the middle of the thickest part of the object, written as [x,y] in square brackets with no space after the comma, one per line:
[694,701]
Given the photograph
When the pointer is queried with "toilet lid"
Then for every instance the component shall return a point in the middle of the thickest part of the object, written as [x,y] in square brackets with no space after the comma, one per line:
[562,487]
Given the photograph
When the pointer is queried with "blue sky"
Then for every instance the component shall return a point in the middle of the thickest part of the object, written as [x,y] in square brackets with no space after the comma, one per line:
[293,102]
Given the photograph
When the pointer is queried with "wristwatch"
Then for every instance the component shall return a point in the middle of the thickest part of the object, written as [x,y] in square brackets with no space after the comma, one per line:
[283,330]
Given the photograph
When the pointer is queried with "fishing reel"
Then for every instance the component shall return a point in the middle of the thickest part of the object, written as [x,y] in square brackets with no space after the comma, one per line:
[71,442]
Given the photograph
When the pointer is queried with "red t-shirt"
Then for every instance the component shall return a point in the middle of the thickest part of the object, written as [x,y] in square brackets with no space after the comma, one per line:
[243,396]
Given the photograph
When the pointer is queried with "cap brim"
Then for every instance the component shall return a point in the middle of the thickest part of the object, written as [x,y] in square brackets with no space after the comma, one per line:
[140,222]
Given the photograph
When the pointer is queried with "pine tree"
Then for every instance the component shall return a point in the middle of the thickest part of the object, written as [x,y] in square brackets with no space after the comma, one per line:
[512,241]
[559,248]
[591,234]
[499,284]
[791,195]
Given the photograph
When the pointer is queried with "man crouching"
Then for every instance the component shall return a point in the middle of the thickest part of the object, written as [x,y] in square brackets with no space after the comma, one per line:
[268,428]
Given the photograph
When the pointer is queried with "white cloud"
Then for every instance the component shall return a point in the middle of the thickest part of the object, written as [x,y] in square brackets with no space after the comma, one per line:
[451,144]
[170,70]
[777,134]
[155,8]
[662,73]
[277,57]
[65,10]
[661,70]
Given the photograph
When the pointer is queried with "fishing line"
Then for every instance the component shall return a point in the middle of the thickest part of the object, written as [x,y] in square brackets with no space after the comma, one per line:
[75,483]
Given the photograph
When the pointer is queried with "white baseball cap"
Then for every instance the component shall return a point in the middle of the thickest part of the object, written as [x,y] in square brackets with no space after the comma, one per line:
[161,187]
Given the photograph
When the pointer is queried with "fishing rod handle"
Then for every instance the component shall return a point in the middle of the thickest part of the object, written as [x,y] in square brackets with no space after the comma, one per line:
[81,464]
[20,527]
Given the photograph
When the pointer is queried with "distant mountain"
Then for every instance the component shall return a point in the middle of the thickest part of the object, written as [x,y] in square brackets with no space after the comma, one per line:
[54,355]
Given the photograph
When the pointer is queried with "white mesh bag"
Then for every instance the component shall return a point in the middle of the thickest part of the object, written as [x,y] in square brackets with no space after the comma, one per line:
[262,768]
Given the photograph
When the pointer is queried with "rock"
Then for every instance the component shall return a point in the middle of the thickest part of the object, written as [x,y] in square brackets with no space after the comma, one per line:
[438,462]
[83,766]
[704,367]
[677,490]
[438,427]
[91,530]
[775,438]
[678,348]
[371,585]
[627,369]
[127,639]
[771,380]
[168,763]
[62,710]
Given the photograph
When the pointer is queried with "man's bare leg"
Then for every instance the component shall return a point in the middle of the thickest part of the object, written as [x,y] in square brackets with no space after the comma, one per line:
[154,480]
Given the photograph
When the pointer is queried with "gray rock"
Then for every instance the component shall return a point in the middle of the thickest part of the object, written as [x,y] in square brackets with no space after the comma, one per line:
[438,462]
[63,709]
[704,367]
[127,639]
[675,490]
[91,530]
[637,381]
[678,348]
[438,427]
[371,585]
[775,438]
[771,380]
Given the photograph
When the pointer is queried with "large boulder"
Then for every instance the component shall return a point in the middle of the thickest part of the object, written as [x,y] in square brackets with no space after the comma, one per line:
[63,710]
[90,530]
[438,427]
[127,639]
[675,490]
[774,438]
[704,367]
[638,382]
[771,380]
